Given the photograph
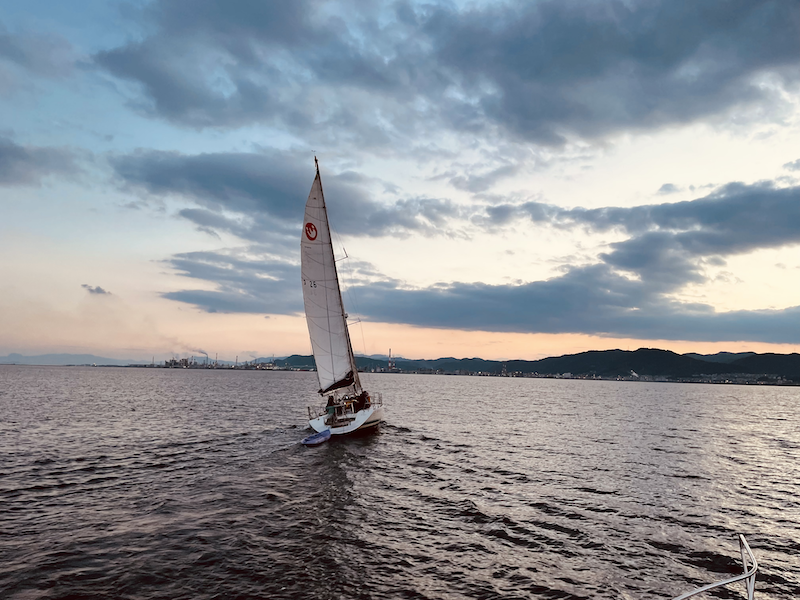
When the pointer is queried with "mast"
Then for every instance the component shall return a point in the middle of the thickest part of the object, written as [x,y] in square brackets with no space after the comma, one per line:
[356,381]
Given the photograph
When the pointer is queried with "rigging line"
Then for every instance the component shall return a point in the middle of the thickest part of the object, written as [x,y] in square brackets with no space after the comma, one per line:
[354,302]
[351,297]
[363,339]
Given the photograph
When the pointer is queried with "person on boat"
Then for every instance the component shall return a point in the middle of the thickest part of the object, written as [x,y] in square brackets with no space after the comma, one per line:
[330,407]
[361,402]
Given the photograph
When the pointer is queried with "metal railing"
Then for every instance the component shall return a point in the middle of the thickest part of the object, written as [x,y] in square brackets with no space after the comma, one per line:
[749,575]
[376,399]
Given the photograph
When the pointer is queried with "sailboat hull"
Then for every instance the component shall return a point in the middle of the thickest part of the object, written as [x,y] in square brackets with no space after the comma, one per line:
[363,420]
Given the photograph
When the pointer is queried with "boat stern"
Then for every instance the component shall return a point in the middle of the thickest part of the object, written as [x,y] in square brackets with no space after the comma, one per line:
[345,419]
[318,424]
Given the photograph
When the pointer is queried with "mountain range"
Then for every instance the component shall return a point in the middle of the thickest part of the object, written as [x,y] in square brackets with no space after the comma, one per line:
[601,363]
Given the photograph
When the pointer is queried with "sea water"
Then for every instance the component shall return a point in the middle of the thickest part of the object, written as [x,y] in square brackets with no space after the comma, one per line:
[154,483]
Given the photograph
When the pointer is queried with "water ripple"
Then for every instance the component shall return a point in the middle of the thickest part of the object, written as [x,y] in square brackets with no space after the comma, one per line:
[140,484]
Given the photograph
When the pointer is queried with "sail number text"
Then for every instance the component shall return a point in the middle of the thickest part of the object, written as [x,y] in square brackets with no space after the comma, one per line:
[309,283]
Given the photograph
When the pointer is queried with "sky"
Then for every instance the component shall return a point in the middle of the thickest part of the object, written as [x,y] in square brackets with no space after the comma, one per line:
[507,180]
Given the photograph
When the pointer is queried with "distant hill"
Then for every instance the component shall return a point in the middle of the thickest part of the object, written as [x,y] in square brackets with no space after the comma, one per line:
[720,357]
[66,359]
[601,363]
[787,365]
[296,361]
[612,363]
[474,365]
[299,361]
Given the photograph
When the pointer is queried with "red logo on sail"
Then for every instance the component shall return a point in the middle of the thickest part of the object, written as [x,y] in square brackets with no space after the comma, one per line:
[311,231]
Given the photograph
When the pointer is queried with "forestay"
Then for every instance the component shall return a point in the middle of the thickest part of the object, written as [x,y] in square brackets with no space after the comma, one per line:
[327,322]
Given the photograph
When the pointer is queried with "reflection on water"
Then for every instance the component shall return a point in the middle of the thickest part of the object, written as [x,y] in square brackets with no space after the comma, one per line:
[134,483]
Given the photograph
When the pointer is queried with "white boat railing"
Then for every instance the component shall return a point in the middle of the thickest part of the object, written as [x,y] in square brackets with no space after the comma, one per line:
[749,575]
[376,399]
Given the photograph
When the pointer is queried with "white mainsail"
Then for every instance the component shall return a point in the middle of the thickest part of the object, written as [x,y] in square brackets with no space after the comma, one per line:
[327,321]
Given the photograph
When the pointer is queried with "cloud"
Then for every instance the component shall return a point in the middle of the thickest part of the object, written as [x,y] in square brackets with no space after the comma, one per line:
[591,300]
[572,68]
[258,196]
[246,281]
[476,183]
[668,241]
[668,188]
[95,290]
[793,166]
[29,165]
[44,55]
[627,292]
[252,279]
[734,218]
[381,74]
[242,182]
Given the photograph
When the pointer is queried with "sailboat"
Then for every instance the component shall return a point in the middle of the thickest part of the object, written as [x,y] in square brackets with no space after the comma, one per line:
[348,406]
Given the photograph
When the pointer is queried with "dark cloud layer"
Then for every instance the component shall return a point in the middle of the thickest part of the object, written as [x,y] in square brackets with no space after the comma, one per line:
[245,282]
[241,182]
[251,280]
[589,68]
[626,294]
[28,165]
[668,242]
[266,193]
[590,300]
[733,219]
[380,72]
